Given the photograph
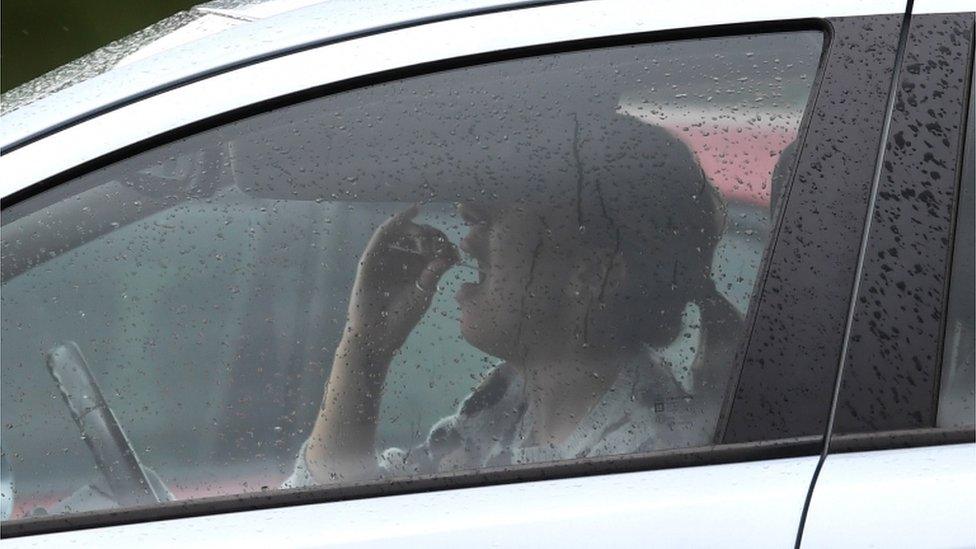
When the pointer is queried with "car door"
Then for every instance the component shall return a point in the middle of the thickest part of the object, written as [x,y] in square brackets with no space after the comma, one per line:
[203,276]
[902,453]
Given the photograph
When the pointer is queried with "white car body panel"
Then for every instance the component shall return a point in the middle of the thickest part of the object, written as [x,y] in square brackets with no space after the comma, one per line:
[916,497]
[193,31]
[289,24]
[751,505]
[278,25]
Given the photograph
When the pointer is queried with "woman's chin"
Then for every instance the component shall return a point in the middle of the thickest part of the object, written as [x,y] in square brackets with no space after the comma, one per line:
[473,332]
[467,292]
[478,334]
[468,324]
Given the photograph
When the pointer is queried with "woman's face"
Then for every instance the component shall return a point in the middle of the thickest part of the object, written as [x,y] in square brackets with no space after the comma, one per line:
[521,298]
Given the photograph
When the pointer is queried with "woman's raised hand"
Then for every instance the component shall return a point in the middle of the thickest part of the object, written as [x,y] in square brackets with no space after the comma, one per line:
[396,280]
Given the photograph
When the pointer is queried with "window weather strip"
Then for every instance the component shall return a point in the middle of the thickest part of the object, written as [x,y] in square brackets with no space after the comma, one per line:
[859,270]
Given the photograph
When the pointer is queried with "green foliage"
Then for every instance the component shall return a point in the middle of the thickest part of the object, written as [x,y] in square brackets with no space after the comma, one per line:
[37,36]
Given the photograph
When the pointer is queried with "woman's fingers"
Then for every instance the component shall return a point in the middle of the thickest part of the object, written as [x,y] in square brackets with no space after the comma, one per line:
[399,221]
[418,297]
[408,255]
[437,253]
[441,254]
[421,241]
[405,216]
[392,227]
[432,242]
[432,273]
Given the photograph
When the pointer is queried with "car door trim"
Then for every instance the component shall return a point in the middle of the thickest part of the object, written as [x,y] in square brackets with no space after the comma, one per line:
[670,459]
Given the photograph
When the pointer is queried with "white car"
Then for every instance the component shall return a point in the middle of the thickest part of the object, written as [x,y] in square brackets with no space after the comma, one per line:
[716,288]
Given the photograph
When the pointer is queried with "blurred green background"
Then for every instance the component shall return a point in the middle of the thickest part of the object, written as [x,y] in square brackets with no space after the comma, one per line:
[39,35]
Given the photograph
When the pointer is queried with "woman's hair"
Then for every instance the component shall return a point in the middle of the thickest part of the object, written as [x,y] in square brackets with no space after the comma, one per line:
[641,194]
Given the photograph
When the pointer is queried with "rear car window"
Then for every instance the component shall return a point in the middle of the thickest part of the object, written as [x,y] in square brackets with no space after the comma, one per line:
[958,383]
[521,262]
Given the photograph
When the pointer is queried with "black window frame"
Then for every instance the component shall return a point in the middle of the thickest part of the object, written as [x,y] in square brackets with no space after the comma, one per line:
[792,354]
[897,335]
[769,297]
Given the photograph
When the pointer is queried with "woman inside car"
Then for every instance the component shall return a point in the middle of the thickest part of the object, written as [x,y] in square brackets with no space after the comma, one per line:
[577,292]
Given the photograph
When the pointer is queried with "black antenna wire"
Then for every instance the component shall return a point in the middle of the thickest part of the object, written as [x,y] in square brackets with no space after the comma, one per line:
[859,271]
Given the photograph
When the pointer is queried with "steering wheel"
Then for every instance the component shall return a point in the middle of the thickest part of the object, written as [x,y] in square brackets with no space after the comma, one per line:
[101,431]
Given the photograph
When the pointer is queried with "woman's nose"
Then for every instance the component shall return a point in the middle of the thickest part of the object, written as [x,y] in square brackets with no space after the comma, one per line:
[475,243]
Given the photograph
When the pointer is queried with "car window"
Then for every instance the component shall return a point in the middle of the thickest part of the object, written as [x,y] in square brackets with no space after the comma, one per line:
[521,262]
[958,383]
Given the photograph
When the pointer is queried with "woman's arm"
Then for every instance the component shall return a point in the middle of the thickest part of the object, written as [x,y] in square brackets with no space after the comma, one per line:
[395,282]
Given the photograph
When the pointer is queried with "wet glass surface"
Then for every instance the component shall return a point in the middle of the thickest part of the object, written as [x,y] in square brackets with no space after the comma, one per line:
[790,365]
[891,378]
[957,402]
[519,262]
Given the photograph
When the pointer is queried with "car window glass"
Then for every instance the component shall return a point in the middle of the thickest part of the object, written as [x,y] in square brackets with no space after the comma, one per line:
[520,262]
[958,383]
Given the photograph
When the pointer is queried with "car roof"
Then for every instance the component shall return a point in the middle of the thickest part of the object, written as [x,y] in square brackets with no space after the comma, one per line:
[205,40]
